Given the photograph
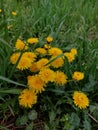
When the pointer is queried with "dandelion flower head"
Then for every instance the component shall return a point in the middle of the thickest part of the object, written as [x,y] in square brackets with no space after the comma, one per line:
[32,40]
[73,51]
[69,56]
[27,98]
[78,75]
[14,57]
[24,63]
[80,99]
[20,45]
[36,83]
[49,39]
[60,78]
[54,51]
[59,62]
[41,51]
[47,75]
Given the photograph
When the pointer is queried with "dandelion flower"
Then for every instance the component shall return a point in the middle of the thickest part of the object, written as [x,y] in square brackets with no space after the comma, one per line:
[32,40]
[47,75]
[73,51]
[49,39]
[14,13]
[60,78]
[27,98]
[69,56]
[54,51]
[36,83]
[59,62]
[24,63]
[14,57]
[20,45]
[41,51]
[78,75]
[80,99]
[47,46]
[42,62]
[30,55]
[34,67]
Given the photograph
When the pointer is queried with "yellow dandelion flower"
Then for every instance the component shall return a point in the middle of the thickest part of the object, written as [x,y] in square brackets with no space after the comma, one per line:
[42,62]
[31,55]
[47,46]
[49,39]
[59,62]
[36,83]
[73,51]
[20,45]
[54,51]
[60,78]
[34,67]
[24,63]
[69,56]
[41,51]
[14,13]
[47,75]
[80,99]
[14,57]
[27,98]
[0,10]
[32,40]
[78,75]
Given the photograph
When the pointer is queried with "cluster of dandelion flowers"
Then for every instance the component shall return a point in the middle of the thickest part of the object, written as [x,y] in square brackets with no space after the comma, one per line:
[27,98]
[20,45]
[49,39]
[78,75]
[36,83]
[47,75]
[32,40]
[80,99]
[60,78]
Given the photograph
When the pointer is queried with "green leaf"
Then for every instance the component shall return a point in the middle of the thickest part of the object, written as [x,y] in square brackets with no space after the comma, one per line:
[74,121]
[46,127]
[11,81]
[90,85]
[29,127]
[86,123]
[22,120]
[10,91]
[52,116]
